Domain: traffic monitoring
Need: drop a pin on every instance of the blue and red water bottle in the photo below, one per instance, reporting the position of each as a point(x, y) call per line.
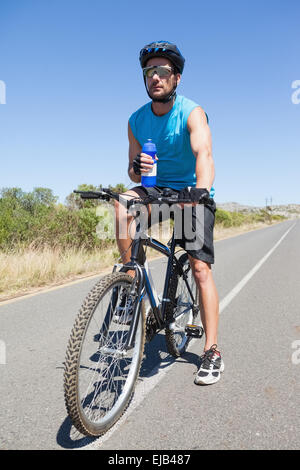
point(149, 178)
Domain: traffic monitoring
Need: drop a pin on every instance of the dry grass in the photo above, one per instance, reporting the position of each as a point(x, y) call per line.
point(220, 232)
point(21, 271)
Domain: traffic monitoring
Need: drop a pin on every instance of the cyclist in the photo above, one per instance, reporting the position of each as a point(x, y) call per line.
point(179, 128)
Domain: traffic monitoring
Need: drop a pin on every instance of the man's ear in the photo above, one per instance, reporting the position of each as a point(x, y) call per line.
point(178, 78)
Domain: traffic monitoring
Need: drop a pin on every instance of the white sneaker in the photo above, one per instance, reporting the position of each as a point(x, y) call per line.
point(211, 366)
point(123, 314)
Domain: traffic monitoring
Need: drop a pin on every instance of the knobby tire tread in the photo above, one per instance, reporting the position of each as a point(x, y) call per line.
point(74, 347)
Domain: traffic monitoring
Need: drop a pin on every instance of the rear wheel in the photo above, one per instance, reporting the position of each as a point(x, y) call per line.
point(182, 309)
point(100, 374)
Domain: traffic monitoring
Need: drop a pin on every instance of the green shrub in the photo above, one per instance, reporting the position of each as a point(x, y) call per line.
point(35, 219)
point(223, 217)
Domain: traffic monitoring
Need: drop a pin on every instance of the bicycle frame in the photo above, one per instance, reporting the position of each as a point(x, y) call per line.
point(145, 283)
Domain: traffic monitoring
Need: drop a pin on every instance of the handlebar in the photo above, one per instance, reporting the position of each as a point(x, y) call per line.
point(165, 198)
point(93, 195)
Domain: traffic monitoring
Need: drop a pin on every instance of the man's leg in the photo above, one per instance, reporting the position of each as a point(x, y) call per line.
point(201, 257)
point(124, 227)
point(209, 300)
point(211, 362)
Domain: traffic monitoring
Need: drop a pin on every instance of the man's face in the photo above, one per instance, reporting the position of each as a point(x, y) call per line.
point(159, 87)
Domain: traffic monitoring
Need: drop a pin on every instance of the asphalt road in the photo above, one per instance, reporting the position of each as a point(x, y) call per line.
point(256, 404)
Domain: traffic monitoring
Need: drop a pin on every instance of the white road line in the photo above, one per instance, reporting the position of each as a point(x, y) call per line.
point(156, 375)
point(234, 292)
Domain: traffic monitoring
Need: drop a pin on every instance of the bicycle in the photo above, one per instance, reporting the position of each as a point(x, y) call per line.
point(104, 355)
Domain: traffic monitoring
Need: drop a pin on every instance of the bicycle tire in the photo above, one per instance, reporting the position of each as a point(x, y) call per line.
point(99, 377)
point(180, 310)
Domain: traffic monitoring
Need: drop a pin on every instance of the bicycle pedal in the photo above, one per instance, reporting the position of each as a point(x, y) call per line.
point(196, 331)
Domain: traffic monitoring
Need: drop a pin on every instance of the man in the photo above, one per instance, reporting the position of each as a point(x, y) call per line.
point(179, 128)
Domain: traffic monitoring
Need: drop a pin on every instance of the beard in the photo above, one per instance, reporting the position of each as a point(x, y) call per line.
point(162, 97)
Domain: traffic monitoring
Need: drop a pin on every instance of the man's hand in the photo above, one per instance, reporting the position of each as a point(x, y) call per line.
point(142, 163)
point(193, 195)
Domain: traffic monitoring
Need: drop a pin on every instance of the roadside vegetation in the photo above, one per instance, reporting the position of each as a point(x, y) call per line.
point(43, 242)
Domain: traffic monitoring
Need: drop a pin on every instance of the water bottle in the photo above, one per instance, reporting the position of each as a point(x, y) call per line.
point(149, 178)
point(212, 192)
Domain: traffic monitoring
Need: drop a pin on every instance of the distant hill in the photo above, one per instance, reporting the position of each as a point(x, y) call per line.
point(291, 211)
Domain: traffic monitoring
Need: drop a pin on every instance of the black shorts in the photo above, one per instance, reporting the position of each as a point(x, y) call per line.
point(193, 226)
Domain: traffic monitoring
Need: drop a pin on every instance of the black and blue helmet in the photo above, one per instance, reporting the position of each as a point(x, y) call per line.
point(162, 49)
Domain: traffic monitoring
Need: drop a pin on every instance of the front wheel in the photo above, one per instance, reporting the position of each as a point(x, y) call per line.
point(182, 308)
point(100, 373)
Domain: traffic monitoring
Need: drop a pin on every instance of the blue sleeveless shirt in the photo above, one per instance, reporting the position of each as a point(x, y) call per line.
point(176, 162)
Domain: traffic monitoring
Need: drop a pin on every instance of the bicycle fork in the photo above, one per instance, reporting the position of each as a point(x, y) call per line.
point(138, 291)
point(142, 286)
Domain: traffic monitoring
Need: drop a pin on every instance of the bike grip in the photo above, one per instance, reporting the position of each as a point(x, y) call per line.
point(92, 195)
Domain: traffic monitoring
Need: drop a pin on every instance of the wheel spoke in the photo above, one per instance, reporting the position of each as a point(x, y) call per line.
point(183, 311)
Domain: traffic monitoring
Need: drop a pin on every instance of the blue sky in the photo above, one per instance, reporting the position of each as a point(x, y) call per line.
point(72, 80)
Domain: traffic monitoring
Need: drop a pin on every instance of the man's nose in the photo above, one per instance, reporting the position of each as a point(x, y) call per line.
point(155, 76)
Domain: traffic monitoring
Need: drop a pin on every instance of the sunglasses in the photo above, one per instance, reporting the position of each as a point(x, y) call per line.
point(161, 70)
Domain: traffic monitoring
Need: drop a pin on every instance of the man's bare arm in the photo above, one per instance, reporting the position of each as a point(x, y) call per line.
point(134, 149)
point(200, 138)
